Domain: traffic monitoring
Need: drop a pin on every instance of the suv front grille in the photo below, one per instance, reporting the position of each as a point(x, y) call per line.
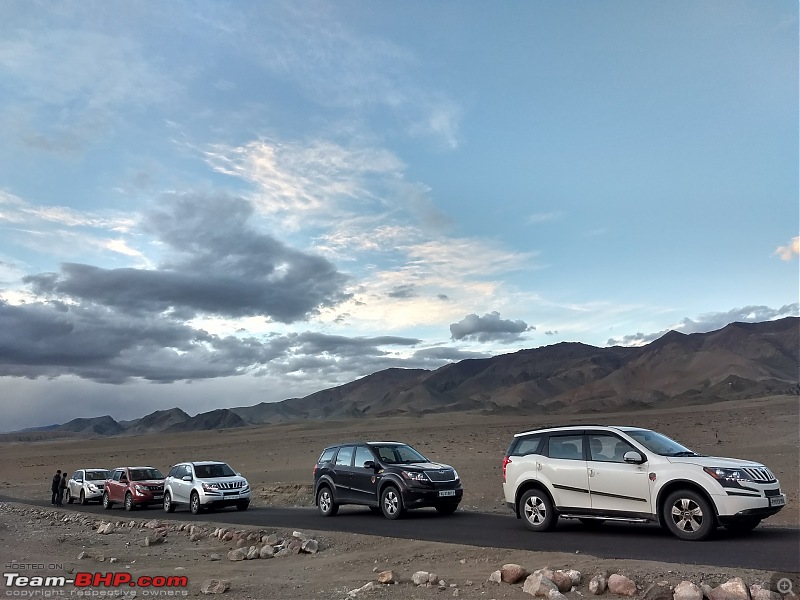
point(155, 488)
point(230, 485)
point(441, 475)
point(759, 474)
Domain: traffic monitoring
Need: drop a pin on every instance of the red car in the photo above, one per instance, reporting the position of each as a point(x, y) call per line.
point(134, 486)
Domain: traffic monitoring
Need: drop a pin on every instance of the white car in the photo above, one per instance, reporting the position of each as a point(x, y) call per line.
point(596, 473)
point(205, 484)
point(87, 484)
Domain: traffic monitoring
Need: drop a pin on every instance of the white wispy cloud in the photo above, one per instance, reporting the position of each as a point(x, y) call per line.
point(790, 250)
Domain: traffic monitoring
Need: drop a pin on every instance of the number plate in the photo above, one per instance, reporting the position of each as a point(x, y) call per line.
point(777, 500)
point(447, 493)
point(158, 497)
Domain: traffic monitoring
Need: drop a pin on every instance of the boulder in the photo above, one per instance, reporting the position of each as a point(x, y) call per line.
point(512, 573)
point(621, 585)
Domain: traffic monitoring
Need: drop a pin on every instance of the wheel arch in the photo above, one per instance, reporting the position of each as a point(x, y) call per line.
point(683, 484)
point(531, 484)
point(324, 481)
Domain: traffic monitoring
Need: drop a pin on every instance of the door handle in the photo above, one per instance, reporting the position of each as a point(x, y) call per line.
point(591, 472)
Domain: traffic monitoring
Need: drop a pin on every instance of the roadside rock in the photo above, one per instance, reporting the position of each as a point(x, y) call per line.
point(621, 585)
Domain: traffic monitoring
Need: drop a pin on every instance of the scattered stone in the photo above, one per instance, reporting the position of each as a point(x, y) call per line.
point(83, 555)
point(686, 590)
point(215, 586)
point(386, 577)
point(310, 546)
point(538, 584)
point(733, 589)
point(300, 536)
point(266, 552)
point(759, 591)
point(420, 578)
point(195, 537)
point(495, 577)
point(364, 588)
point(252, 553)
point(599, 583)
point(152, 540)
point(562, 580)
point(621, 585)
point(659, 591)
point(512, 573)
point(237, 554)
point(214, 557)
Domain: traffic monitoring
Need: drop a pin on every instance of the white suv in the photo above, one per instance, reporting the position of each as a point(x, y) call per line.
point(596, 473)
point(87, 484)
point(207, 483)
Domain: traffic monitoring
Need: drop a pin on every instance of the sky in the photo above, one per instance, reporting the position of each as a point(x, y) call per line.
point(210, 204)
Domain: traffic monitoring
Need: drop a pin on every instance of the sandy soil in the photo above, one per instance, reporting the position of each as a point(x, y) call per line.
point(278, 461)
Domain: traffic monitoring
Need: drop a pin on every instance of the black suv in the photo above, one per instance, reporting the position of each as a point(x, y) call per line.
point(386, 476)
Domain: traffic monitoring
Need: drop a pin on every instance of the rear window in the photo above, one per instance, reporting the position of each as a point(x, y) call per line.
point(327, 455)
point(525, 445)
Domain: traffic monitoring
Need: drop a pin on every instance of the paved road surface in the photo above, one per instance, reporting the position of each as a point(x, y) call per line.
point(766, 548)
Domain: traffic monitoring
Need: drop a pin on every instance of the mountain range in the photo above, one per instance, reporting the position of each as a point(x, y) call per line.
point(741, 360)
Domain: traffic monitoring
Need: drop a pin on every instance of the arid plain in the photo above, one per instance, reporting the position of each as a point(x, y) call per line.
point(278, 461)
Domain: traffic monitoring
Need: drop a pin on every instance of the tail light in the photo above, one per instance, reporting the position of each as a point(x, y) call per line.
point(506, 460)
point(314, 472)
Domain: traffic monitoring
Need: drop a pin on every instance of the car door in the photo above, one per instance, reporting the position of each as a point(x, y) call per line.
point(565, 471)
point(363, 487)
point(343, 473)
point(614, 485)
point(116, 487)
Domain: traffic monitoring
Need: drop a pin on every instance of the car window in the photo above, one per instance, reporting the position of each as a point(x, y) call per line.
point(658, 443)
point(363, 454)
point(526, 445)
point(607, 448)
point(97, 475)
point(565, 446)
point(327, 455)
point(215, 470)
point(345, 456)
point(118, 476)
point(145, 474)
point(399, 454)
point(77, 476)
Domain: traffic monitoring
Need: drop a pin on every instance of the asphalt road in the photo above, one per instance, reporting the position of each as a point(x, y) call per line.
point(766, 548)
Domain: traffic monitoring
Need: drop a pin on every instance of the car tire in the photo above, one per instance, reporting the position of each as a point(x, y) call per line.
point(107, 501)
point(743, 525)
point(70, 499)
point(129, 505)
point(83, 499)
point(688, 515)
point(537, 510)
point(325, 503)
point(242, 505)
point(446, 509)
point(168, 504)
point(194, 503)
point(391, 503)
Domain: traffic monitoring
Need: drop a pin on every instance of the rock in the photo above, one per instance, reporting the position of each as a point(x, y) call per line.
point(658, 591)
point(215, 586)
point(512, 573)
point(300, 536)
point(214, 557)
point(386, 577)
point(686, 590)
point(556, 595)
point(195, 537)
point(241, 543)
point(621, 585)
point(237, 554)
point(310, 546)
point(83, 555)
point(562, 580)
point(252, 553)
point(420, 577)
point(227, 536)
point(733, 589)
point(538, 584)
point(598, 584)
point(271, 539)
point(294, 546)
point(152, 540)
point(575, 576)
point(495, 577)
point(266, 552)
point(760, 591)
point(364, 588)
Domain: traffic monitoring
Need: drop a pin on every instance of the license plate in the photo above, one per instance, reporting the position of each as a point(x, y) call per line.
point(158, 497)
point(447, 493)
point(777, 501)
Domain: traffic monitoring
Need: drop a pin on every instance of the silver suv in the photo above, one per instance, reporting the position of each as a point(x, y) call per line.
point(596, 473)
point(87, 484)
point(205, 484)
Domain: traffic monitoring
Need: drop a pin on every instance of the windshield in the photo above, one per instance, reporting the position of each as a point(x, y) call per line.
point(218, 470)
point(145, 474)
point(98, 475)
point(398, 454)
point(660, 444)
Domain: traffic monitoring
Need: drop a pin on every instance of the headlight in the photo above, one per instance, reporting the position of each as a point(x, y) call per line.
point(210, 487)
point(726, 475)
point(414, 475)
point(455, 474)
point(140, 489)
point(92, 487)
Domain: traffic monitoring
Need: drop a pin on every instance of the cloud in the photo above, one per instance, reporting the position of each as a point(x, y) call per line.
point(216, 264)
point(488, 328)
point(712, 322)
point(790, 250)
point(402, 292)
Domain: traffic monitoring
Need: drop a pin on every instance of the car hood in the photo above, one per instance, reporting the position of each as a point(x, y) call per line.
point(713, 461)
point(426, 466)
point(149, 482)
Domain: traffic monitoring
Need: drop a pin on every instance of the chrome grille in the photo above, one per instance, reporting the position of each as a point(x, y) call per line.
point(155, 488)
point(441, 475)
point(230, 485)
point(759, 474)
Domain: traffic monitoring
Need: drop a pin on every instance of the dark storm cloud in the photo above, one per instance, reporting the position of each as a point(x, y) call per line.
point(712, 322)
point(445, 354)
point(488, 328)
point(311, 343)
point(218, 265)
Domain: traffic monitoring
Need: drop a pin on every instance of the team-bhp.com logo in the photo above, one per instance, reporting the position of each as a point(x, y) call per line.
point(19, 585)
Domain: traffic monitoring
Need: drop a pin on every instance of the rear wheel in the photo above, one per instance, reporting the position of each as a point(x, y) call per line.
point(537, 510)
point(129, 505)
point(70, 499)
point(688, 515)
point(446, 509)
point(84, 501)
point(325, 502)
point(194, 503)
point(391, 503)
point(168, 505)
point(107, 501)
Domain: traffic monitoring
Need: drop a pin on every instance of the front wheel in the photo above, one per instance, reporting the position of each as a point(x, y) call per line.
point(168, 505)
point(537, 510)
point(194, 503)
point(70, 499)
point(688, 515)
point(84, 501)
point(446, 509)
point(107, 501)
point(129, 502)
point(391, 503)
point(325, 502)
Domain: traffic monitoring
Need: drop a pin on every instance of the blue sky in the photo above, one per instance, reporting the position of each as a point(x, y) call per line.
point(210, 204)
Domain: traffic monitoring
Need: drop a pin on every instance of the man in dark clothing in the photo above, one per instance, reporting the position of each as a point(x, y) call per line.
point(54, 487)
point(62, 487)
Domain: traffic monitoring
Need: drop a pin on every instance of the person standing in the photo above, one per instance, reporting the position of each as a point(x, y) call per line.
point(62, 488)
point(55, 485)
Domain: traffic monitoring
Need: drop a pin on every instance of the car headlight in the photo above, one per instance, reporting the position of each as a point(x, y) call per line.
point(210, 487)
point(414, 475)
point(725, 475)
point(140, 489)
point(92, 487)
point(455, 474)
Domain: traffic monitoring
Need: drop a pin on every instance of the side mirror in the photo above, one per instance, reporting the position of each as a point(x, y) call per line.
point(633, 457)
point(186, 478)
point(369, 464)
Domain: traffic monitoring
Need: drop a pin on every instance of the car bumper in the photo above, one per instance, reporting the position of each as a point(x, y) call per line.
point(731, 507)
point(96, 495)
point(224, 498)
point(418, 498)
